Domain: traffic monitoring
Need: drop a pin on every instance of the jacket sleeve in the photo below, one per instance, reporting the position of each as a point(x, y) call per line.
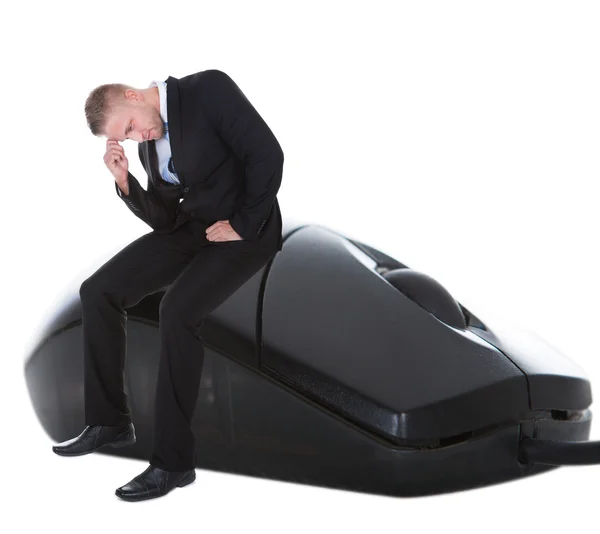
point(240, 126)
point(148, 205)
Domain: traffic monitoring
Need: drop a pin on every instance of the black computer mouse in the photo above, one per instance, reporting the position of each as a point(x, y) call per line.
point(336, 365)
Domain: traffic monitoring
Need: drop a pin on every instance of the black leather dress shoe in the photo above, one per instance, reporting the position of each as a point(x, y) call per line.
point(154, 482)
point(96, 436)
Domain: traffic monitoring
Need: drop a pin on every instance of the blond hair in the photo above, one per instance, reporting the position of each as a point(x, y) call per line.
point(101, 102)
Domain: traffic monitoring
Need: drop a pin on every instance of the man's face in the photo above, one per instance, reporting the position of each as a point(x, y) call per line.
point(134, 119)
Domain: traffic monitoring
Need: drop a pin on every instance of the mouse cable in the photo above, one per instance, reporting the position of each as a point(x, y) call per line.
point(545, 451)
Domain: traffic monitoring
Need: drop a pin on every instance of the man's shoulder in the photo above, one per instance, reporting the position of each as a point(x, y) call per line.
point(203, 78)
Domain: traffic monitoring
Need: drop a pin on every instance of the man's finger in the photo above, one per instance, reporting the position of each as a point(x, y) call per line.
point(213, 228)
point(212, 235)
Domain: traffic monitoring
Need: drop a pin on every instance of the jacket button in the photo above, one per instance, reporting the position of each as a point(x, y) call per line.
point(186, 189)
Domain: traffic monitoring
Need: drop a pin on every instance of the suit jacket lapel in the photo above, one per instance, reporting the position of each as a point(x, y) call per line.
point(151, 155)
point(149, 159)
point(174, 118)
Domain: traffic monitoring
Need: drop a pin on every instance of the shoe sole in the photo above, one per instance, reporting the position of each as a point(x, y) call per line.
point(188, 479)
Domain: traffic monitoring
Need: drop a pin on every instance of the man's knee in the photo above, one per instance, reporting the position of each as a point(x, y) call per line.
point(88, 287)
point(93, 287)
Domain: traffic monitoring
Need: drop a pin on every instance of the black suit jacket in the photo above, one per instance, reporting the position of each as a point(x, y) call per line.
point(227, 159)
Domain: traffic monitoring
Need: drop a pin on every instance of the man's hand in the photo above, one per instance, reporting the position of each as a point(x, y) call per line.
point(222, 231)
point(116, 161)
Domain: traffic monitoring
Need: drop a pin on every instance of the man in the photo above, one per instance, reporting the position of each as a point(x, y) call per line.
point(214, 168)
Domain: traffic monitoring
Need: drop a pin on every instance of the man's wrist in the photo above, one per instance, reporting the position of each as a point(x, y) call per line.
point(124, 186)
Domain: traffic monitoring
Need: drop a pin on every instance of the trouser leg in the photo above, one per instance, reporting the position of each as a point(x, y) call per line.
point(215, 273)
point(143, 267)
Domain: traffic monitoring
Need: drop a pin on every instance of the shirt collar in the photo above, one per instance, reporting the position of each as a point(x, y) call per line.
point(162, 95)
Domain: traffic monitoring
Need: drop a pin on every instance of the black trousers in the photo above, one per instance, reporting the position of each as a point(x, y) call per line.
point(198, 276)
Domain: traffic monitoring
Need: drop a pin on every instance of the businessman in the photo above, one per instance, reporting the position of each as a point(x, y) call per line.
point(214, 168)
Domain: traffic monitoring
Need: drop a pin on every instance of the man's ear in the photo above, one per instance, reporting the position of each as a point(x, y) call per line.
point(132, 94)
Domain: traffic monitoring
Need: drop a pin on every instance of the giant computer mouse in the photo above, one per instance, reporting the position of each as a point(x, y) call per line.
point(338, 366)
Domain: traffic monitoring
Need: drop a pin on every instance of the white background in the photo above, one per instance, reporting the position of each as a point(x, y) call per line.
point(459, 137)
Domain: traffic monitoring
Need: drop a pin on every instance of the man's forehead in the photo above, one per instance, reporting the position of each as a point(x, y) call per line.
point(115, 128)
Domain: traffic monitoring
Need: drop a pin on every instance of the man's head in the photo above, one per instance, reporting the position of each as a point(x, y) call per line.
point(119, 111)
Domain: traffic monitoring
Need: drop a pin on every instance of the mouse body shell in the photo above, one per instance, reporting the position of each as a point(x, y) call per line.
point(321, 369)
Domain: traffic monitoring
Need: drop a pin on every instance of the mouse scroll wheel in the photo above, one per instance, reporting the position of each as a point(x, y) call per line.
point(429, 294)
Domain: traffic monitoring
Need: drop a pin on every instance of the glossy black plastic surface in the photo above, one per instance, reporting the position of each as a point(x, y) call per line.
point(319, 370)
